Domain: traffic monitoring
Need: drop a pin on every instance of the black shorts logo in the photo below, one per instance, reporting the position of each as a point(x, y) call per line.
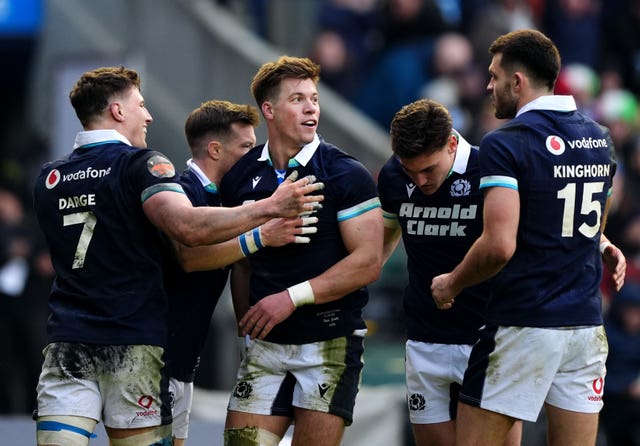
point(416, 402)
point(242, 390)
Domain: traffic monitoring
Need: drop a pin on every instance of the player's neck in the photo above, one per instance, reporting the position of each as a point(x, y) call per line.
point(210, 169)
point(280, 153)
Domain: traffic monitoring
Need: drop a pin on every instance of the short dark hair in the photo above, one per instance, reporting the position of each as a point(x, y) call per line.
point(91, 94)
point(532, 50)
point(421, 127)
point(214, 118)
point(266, 82)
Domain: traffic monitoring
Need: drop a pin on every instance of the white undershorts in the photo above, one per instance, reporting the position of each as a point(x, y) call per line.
point(181, 395)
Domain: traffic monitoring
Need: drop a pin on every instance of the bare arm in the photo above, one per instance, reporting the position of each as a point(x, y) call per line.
point(614, 260)
point(173, 213)
point(275, 232)
point(490, 252)
point(240, 275)
point(392, 237)
point(363, 237)
point(612, 256)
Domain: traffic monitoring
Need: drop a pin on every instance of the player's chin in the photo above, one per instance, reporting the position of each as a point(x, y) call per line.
point(142, 142)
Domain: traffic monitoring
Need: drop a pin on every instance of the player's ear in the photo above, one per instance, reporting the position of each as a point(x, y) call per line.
point(517, 80)
point(214, 149)
point(267, 110)
point(453, 143)
point(115, 108)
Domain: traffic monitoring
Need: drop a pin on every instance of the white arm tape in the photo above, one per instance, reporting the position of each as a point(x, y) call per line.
point(301, 294)
point(603, 246)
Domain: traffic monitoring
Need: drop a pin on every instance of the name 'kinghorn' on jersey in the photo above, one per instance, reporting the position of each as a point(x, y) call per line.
point(582, 171)
point(421, 227)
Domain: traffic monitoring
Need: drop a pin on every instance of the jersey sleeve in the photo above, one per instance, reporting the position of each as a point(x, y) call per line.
point(389, 206)
point(498, 165)
point(612, 155)
point(357, 192)
point(150, 172)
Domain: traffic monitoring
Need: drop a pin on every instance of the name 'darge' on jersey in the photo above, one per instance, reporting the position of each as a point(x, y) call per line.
point(418, 219)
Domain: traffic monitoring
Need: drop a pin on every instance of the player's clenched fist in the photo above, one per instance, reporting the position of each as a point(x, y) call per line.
point(442, 292)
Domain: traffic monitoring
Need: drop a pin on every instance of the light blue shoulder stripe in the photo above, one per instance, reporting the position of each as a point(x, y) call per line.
point(110, 141)
point(358, 209)
point(498, 181)
point(160, 187)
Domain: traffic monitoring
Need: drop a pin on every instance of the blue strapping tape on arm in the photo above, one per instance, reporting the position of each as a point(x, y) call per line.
point(57, 426)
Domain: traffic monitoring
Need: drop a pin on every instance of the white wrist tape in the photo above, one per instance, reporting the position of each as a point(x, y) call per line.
point(603, 246)
point(301, 294)
point(250, 241)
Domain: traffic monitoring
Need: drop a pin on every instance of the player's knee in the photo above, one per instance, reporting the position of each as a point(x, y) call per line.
point(159, 436)
point(250, 436)
point(64, 430)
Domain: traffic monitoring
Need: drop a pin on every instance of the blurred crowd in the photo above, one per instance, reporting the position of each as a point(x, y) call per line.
point(25, 268)
point(380, 55)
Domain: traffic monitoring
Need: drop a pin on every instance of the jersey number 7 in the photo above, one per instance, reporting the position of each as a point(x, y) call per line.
point(88, 219)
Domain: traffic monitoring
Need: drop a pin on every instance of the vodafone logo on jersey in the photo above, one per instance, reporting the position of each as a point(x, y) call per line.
point(52, 179)
point(555, 145)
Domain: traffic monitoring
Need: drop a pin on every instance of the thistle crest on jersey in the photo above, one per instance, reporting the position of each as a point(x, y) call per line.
point(460, 188)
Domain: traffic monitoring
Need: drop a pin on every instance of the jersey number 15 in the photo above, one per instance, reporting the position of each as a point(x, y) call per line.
point(587, 206)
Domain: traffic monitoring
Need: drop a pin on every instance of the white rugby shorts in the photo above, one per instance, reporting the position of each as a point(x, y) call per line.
point(434, 374)
point(118, 384)
point(322, 376)
point(515, 370)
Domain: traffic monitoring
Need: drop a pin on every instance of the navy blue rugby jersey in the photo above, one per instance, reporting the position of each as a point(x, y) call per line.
point(349, 192)
point(561, 163)
point(192, 296)
point(437, 231)
point(108, 287)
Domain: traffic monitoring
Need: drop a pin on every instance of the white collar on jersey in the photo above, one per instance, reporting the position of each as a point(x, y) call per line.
point(96, 136)
point(302, 157)
point(204, 180)
point(462, 155)
point(562, 103)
